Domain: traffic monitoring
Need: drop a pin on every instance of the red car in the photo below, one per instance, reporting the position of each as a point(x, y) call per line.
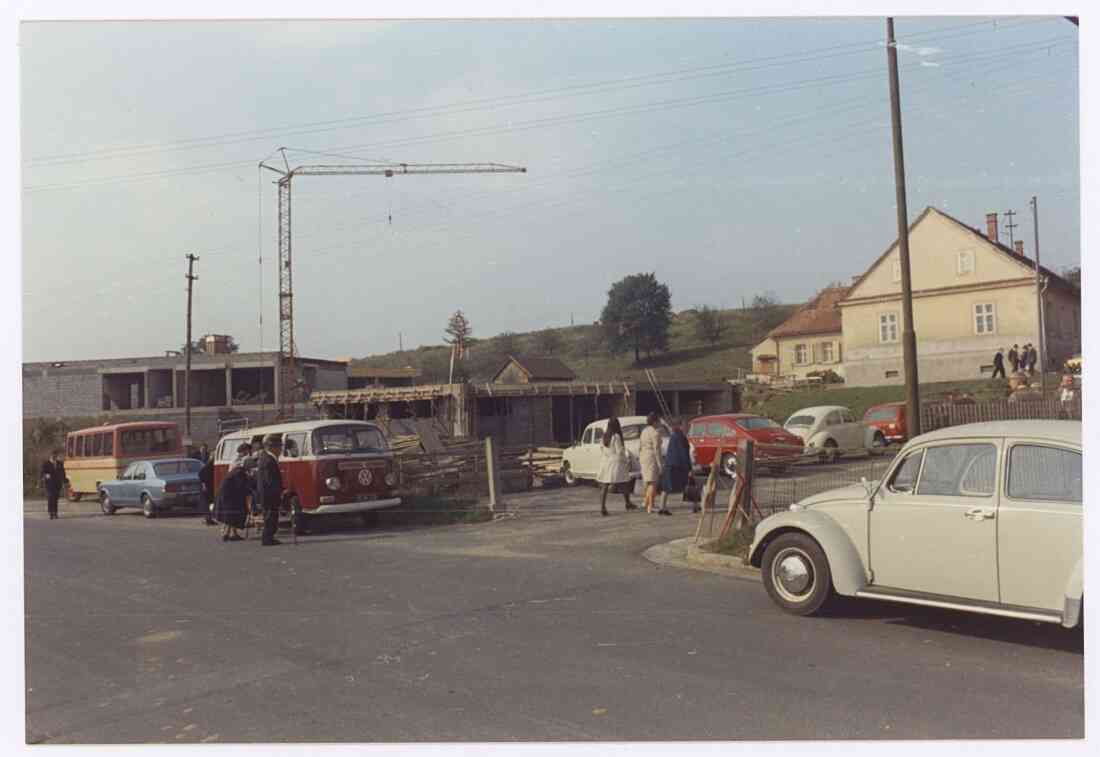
point(773, 443)
point(889, 418)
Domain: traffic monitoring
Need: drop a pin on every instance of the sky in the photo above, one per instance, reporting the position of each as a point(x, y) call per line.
point(731, 157)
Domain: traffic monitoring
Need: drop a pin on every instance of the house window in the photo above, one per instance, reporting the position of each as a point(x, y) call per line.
point(984, 320)
point(801, 354)
point(897, 271)
point(966, 262)
point(826, 352)
point(888, 327)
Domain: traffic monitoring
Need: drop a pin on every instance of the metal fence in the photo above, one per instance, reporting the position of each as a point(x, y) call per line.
point(941, 415)
point(773, 493)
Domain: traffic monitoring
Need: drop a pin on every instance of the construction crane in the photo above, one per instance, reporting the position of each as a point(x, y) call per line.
point(288, 382)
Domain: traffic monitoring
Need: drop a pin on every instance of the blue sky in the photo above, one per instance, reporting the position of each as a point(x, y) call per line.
point(730, 156)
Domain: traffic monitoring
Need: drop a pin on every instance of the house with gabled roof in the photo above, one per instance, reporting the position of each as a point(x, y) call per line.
point(972, 295)
point(809, 341)
point(532, 370)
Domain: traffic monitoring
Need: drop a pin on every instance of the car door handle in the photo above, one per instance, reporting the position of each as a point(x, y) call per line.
point(979, 514)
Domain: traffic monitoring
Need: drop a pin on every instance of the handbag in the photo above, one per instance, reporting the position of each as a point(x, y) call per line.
point(691, 490)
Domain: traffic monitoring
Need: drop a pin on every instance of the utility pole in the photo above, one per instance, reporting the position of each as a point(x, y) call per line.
point(908, 335)
point(1010, 226)
point(400, 343)
point(1039, 301)
point(187, 370)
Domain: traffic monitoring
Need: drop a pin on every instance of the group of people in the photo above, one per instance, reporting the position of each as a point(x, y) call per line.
point(665, 461)
point(256, 476)
point(1022, 360)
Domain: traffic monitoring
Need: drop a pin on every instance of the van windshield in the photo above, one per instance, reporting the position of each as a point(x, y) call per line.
point(337, 440)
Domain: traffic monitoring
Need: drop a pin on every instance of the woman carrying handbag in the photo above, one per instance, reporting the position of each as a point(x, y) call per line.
point(615, 469)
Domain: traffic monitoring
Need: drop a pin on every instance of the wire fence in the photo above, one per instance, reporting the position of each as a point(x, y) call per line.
point(773, 493)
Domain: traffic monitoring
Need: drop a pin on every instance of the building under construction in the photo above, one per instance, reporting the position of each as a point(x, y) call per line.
point(527, 401)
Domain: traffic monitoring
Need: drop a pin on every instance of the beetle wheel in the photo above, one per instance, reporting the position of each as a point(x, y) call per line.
point(796, 574)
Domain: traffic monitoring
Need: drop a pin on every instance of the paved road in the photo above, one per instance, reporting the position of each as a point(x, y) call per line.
point(548, 625)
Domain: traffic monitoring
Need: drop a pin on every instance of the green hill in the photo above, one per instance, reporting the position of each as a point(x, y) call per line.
point(688, 358)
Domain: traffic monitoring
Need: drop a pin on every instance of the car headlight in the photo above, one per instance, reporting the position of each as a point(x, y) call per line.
point(796, 507)
point(391, 479)
point(333, 483)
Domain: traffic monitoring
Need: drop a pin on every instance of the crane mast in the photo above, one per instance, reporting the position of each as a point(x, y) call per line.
point(287, 383)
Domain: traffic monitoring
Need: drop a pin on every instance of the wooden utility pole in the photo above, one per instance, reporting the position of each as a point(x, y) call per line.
point(1042, 348)
point(1011, 228)
point(187, 369)
point(908, 335)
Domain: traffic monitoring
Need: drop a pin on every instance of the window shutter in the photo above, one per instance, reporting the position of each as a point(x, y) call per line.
point(813, 353)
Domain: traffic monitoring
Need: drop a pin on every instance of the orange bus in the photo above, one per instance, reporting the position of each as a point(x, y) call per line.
point(101, 453)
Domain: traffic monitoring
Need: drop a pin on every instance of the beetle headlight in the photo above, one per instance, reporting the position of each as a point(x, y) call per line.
point(391, 479)
point(333, 483)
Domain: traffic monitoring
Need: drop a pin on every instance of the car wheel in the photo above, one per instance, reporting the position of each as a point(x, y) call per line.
point(72, 496)
point(729, 465)
point(105, 504)
point(298, 519)
point(567, 475)
point(796, 574)
point(878, 442)
point(147, 507)
point(831, 453)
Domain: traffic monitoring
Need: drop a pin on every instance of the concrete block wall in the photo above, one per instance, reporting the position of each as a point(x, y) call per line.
point(62, 392)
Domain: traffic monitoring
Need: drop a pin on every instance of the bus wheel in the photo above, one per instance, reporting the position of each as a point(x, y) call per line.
point(147, 506)
point(105, 504)
point(72, 496)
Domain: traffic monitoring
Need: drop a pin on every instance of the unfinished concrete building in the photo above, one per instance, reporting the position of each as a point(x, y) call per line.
point(527, 401)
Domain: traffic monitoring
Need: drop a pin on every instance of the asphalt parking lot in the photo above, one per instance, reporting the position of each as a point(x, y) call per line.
point(545, 624)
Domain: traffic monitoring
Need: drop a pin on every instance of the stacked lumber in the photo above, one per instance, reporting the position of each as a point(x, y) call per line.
point(542, 462)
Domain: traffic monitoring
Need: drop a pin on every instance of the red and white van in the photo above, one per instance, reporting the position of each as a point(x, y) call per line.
point(328, 467)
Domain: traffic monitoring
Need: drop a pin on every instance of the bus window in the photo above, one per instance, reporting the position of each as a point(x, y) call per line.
point(80, 446)
point(96, 441)
point(108, 444)
point(68, 446)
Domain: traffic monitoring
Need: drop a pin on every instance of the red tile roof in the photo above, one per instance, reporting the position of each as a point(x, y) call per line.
point(818, 316)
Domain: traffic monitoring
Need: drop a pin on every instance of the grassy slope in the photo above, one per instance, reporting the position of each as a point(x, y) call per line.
point(688, 358)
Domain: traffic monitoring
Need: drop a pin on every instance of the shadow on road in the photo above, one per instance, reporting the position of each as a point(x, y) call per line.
point(1009, 630)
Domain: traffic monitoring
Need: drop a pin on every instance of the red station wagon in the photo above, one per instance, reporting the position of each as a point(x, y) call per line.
point(889, 418)
point(328, 467)
point(772, 441)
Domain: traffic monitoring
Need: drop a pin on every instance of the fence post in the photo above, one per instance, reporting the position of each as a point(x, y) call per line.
point(492, 469)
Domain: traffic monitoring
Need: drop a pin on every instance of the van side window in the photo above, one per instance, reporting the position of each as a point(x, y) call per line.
point(597, 436)
point(587, 438)
point(905, 477)
point(293, 445)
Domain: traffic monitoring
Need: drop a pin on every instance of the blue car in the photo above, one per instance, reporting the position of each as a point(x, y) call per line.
point(156, 486)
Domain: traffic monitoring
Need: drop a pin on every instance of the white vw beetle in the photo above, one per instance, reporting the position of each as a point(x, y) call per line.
point(984, 517)
point(832, 430)
point(583, 459)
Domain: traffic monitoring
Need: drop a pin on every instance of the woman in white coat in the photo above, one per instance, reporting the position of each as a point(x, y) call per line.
point(615, 468)
point(649, 453)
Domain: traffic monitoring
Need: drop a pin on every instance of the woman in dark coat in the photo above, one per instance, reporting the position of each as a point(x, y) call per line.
point(677, 465)
point(230, 508)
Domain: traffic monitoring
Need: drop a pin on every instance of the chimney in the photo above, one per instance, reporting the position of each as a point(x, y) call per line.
point(1019, 247)
point(991, 227)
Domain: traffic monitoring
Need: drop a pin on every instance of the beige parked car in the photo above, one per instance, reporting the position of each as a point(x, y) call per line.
point(984, 517)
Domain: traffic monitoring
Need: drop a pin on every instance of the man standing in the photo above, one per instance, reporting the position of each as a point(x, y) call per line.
point(269, 488)
point(53, 479)
point(1032, 360)
point(1014, 357)
point(999, 364)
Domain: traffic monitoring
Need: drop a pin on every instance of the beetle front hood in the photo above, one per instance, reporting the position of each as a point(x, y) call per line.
point(845, 493)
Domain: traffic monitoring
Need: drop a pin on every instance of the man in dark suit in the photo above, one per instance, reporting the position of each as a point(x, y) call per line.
point(53, 479)
point(269, 487)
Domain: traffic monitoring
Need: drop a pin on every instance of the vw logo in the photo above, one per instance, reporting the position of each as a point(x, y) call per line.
point(365, 477)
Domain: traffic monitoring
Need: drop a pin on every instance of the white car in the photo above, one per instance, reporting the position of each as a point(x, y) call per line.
point(582, 460)
point(832, 430)
point(984, 517)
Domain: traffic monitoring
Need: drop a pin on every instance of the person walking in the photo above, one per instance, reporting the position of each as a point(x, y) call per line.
point(614, 474)
point(53, 480)
point(649, 455)
point(269, 488)
point(1032, 360)
point(1014, 357)
point(999, 364)
point(231, 505)
point(677, 465)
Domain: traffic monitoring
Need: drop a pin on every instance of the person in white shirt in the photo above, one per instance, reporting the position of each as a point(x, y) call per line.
point(649, 455)
point(615, 469)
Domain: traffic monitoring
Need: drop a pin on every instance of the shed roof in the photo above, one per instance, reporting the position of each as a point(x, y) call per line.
point(539, 368)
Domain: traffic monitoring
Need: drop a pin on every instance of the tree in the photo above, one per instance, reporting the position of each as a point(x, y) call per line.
point(709, 324)
point(458, 331)
point(637, 315)
point(548, 341)
point(765, 312)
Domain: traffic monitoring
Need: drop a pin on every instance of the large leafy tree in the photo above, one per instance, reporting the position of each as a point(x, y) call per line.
point(637, 315)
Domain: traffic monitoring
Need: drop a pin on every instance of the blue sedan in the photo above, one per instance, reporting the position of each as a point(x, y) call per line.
point(155, 486)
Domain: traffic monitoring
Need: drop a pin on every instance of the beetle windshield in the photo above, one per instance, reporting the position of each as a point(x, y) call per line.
point(336, 440)
point(798, 421)
point(176, 467)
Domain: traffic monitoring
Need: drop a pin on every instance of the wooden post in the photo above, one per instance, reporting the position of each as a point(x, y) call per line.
point(492, 469)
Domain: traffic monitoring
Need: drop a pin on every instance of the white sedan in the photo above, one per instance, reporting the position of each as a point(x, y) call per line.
point(832, 430)
point(984, 517)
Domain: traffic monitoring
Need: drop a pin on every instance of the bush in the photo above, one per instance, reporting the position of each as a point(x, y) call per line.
point(827, 376)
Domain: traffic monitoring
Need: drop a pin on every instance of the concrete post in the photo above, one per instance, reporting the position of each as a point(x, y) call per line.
point(175, 387)
point(147, 402)
point(492, 469)
point(228, 386)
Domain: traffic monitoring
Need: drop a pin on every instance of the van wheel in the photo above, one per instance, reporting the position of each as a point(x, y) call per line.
point(147, 506)
point(298, 519)
point(105, 504)
point(796, 574)
point(567, 475)
point(72, 496)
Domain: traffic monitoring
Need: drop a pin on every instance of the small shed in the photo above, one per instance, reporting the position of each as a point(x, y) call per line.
point(531, 370)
